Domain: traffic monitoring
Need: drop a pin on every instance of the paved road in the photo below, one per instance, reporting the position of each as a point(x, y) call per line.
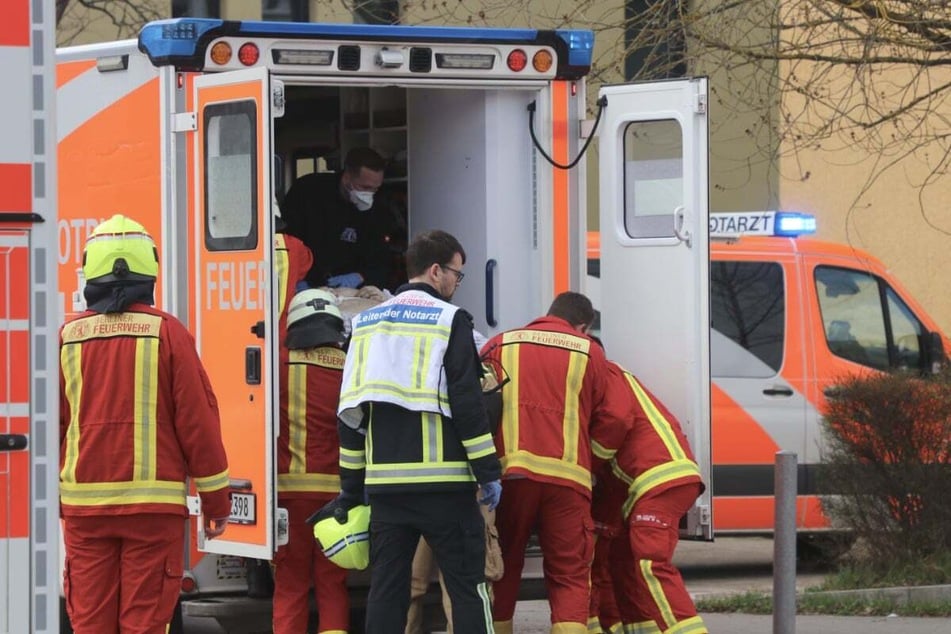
point(727, 566)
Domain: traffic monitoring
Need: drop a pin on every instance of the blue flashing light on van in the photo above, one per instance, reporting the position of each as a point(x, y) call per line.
point(783, 224)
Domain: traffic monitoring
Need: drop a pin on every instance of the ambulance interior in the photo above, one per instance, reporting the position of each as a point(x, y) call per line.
point(458, 159)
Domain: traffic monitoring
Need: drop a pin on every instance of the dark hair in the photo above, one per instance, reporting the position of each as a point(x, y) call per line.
point(363, 157)
point(432, 247)
point(574, 308)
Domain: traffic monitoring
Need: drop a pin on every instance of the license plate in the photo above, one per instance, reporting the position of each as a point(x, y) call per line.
point(243, 508)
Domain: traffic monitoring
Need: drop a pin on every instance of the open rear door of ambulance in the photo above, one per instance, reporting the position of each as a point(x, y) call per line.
point(655, 253)
point(232, 293)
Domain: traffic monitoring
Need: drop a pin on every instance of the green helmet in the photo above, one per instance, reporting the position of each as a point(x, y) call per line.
point(120, 249)
point(345, 537)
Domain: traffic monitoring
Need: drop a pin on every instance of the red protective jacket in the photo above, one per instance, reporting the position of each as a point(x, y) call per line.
point(656, 455)
point(292, 259)
point(137, 415)
point(308, 448)
point(556, 410)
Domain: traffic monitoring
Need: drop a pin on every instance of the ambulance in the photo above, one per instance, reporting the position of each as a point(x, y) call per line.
point(29, 323)
point(198, 126)
point(790, 316)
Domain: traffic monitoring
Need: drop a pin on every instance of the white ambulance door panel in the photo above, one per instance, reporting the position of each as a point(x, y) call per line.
point(655, 253)
point(232, 293)
point(472, 166)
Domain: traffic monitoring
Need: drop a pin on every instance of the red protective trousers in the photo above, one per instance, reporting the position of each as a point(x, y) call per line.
point(604, 615)
point(650, 592)
point(123, 572)
point(562, 517)
point(299, 565)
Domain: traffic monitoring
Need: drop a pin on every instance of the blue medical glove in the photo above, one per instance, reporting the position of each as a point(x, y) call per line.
point(301, 286)
point(345, 280)
point(491, 494)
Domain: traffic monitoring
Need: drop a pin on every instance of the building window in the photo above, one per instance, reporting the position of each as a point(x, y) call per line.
point(285, 10)
point(654, 40)
point(196, 8)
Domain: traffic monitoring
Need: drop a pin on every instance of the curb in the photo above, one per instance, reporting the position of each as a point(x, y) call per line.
point(900, 594)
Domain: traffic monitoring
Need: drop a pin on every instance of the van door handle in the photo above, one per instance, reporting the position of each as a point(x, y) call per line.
point(252, 365)
point(778, 390)
point(490, 293)
point(12, 442)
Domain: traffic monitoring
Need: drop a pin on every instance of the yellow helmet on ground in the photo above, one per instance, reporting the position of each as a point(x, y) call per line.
point(345, 537)
point(119, 249)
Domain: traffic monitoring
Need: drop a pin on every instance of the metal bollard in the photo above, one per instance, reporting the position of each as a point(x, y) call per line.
point(784, 544)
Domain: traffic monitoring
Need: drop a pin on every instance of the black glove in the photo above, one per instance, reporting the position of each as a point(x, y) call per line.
point(338, 508)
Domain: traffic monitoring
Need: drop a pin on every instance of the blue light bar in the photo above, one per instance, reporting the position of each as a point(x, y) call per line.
point(787, 224)
point(181, 41)
point(791, 224)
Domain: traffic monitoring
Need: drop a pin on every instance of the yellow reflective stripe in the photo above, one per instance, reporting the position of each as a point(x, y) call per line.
point(395, 389)
point(324, 357)
point(420, 350)
point(658, 421)
point(304, 482)
point(620, 474)
point(479, 446)
point(282, 262)
point(406, 473)
point(644, 627)
point(145, 409)
point(543, 465)
point(105, 326)
point(510, 399)
point(574, 343)
point(434, 331)
point(122, 493)
point(483, 592)
point(594, 625)
point(693, 625)
point(577, 365)
point(212, 482)
point(617, 628)
point(657, 592)
point(359, 346)
point(352, 459)
point(71, 361)
point(428, 422)
point(601, 451)
point(657, 476)
point(297, 417)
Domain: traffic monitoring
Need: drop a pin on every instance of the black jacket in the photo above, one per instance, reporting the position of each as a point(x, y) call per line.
point(396, 433)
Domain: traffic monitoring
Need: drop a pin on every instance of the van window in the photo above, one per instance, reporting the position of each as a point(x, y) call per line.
point(747, 308)
point(865, 320)
point(653, 177)
point(231, 189)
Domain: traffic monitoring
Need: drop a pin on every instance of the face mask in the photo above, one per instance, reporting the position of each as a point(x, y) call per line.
point(361, 200)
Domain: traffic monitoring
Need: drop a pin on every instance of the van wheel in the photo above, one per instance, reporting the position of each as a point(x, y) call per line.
point(821, 550)
point(177, 625)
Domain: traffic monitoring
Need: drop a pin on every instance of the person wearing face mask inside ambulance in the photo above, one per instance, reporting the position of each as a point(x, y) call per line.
point(354, 236)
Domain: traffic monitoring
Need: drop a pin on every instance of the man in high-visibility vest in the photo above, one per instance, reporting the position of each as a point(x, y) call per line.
point(308, 464)
point(658, 479)
point(556, 414)
point(137, 417)
point(415, 436)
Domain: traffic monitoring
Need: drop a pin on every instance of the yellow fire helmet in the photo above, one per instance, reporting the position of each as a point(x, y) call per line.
point(312, 301)
point(346, 540)
point(120, 249)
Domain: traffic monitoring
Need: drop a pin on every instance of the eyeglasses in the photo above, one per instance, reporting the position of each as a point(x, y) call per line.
point(459, 274)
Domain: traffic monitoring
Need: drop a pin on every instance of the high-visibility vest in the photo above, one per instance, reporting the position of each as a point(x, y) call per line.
point(396, 356)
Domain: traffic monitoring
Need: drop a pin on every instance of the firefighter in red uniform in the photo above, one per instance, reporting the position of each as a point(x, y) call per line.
point(137, 417)
point(658, 479)
point(308, 472)
point(556, 412)
point(292, 259)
